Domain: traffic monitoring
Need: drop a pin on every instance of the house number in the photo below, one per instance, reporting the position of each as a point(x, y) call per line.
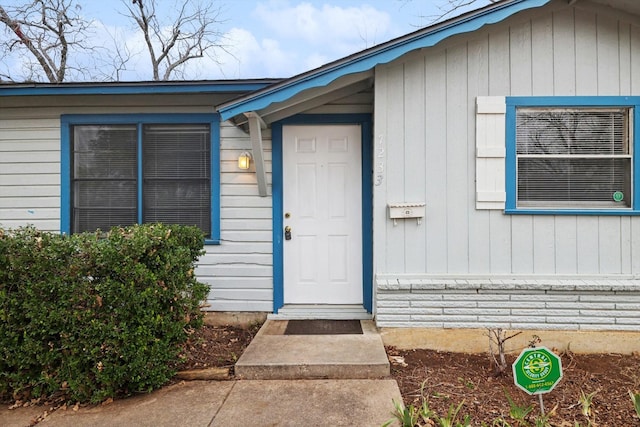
point(379, 161)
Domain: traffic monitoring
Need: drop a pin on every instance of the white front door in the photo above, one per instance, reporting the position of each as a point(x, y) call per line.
point(322, 192)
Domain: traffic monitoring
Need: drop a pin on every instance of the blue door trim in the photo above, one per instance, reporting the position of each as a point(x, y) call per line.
point(365, 122)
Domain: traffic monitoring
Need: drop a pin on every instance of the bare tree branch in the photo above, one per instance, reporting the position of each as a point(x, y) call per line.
point(448, 8)
point(113, 65)
point(192, 34)
point(46, 30)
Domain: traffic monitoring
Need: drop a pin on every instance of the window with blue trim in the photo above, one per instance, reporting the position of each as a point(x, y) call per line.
point(571, 155)
point(125, 170)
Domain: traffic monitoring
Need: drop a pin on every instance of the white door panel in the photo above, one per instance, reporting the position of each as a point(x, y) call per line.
point(323, 206)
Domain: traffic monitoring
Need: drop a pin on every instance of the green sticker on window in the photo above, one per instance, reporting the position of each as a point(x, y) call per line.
point(618, 196)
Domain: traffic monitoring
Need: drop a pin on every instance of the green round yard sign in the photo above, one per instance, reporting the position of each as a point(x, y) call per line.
point(537, 370)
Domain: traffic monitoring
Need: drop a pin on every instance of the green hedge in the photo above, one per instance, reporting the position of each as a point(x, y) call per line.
point(91, 316)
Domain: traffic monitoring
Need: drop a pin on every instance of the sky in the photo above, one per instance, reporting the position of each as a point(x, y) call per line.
point(272, 38)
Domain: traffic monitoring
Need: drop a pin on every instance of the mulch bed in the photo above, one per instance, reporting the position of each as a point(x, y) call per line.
point(446, 379)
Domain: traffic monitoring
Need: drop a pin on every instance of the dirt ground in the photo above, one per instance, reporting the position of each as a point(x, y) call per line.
point(446, 379)
point(450, 378)
point(216, 346)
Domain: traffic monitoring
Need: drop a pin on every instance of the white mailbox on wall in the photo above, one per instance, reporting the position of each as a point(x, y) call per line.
point(406, 210)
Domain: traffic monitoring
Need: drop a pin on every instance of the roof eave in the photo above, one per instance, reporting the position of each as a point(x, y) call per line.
point(135, 88)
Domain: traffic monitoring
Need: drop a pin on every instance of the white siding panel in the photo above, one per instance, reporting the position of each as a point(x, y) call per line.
point(499, 85)
point(625, 59)
point(586, 52)
point(41, 224)
point(477, 85)
point(30, 145)
point(457, 164)
point(35, 133)
point(635, 59)
point(566, 245)
point(229, 199)
point(244, 224)
point(247, 283)
point(239, 305)
point(246, 213)
point(33, 179)
point(414, 154)
point(29, 202)
point(221, 294)
point(522, 245)
point(610, 244)
point(544, 259)
point(29, 168)
point(238, 270)
point(26, 191)
point(608, 55)
point(435, 167)
point(395, 174)
point(587, 240)
point(521, 81)
point(30, 215)
point(380, 134)
point(542, 55)
point(564, 52)
point(625, 246)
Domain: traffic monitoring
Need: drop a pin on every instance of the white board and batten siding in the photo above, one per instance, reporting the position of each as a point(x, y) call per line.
point(239, 270)
point(468, 264)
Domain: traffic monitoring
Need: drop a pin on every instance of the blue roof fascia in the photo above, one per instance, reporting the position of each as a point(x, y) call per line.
point(130, 89)
point(381, 55)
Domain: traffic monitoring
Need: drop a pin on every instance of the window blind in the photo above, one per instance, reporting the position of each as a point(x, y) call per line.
point(573, 158)
point(176, 173)
point(104, 177)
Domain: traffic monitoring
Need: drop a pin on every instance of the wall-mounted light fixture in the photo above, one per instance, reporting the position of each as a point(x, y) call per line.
point(244, 160)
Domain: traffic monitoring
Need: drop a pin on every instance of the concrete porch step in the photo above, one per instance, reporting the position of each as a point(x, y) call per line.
point(321, 311)
point(273, 355)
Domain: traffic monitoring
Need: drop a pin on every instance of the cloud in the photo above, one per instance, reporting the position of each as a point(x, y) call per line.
point(300, 37)
point(248, 57)
point(326, 25)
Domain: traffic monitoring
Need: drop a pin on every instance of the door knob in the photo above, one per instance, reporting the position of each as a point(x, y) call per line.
point(287, 233)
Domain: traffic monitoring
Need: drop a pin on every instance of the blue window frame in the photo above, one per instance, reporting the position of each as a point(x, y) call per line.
point(572, 155)
point(120, 169)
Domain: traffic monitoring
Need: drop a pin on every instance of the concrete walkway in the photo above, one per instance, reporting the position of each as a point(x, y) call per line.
point(233, 403)
point(345, 382)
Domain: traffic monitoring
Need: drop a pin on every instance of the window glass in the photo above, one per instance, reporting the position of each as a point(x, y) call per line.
point(175, 164)
point(177, 181)
point(104, 177)
point(573, 158)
